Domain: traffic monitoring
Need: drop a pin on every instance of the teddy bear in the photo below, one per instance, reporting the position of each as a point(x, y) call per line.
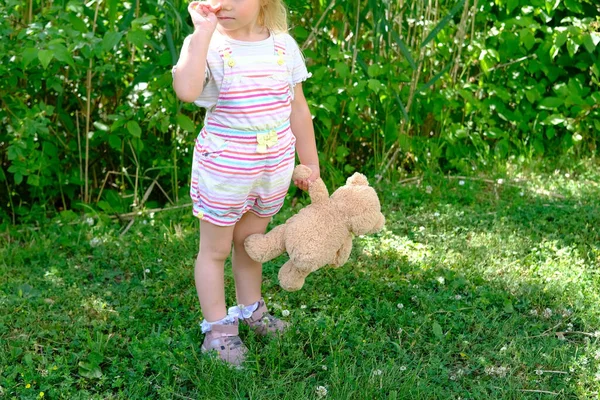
point(321, 233)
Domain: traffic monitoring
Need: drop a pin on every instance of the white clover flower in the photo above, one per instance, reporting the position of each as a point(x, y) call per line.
point(441, 280)
point(577, 137)
point(151, 215)
point(89, 221)
point(461, 183)
point(503, 348)
point(436, 214)
point(421, 228)
point(377, 372)
point(428, 189)
point(403, 368)
point(147, 270)
point(321, 391)
point(521, 194)
point(285, 313)
point(500, 181)
point(324, 367)
point(567, 175)
point(400, 306)
point(159, 260)
point(539, 372)
point(303, 306)
point(458, 297)
point(596, 333)
point(95, 242)
point(533, 312)
point(547, 313)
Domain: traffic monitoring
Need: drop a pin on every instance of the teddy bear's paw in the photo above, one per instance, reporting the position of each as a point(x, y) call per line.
point(291, 286)
point(256, 247)
point(290, 278)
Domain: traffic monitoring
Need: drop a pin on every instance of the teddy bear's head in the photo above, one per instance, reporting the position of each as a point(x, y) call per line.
point(360, 204)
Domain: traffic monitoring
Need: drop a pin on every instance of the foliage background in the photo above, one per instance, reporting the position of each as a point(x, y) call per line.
point(89, 117)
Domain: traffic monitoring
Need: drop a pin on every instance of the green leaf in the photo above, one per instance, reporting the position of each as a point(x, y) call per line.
point(50, 149)
point(29, 54)
point(508, 307)
point(404, 49)
point(375, 85)
point(561, 38)
point(437, 330)
point(89, 370)
point(77, 23)
point(134, 129)
point(511, 5)
point(33, 180)
point(61, 53)
point(45, 56)
point(443, 23)
point(374, 70)
point(574, 6)
point(433, 80)
point(18, 178)
point(342, 69)
point(401, 106)
point(527, 38)
point(112, 12)
point(551, 102)
point(589, 44)
point(2, 176)
point(111, 39)
point(114, 141)
point(185, 123)
point(137, 37)
point(572, 47)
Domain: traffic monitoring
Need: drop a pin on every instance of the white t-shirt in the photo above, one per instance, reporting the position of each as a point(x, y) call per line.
point(214, 76)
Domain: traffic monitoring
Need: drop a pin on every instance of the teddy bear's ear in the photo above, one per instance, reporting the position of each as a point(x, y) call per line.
point(357, 179)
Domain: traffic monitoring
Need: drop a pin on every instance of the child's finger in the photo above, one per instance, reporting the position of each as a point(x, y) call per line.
point(215, 8)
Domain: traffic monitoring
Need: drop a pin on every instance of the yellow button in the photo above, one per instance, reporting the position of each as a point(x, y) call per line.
point(231, 63)
point(280, 52)
point(281, 61)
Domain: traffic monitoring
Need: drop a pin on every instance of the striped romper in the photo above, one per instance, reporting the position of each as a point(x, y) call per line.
point(244, 155)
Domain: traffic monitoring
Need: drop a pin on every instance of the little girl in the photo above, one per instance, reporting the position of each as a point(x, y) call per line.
point(243, 67)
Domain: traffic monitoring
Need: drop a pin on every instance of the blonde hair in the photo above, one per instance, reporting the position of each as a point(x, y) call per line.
point(273, 15)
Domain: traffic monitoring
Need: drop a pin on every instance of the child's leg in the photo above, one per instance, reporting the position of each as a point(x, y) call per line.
point(247, 272)
point(215, 246)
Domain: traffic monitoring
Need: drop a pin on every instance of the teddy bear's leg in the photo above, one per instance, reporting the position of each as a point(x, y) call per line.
point(343, 254)
point(291, 278)
point(262, 248)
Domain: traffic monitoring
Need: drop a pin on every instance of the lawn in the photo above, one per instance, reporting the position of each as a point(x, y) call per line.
point(477, 288)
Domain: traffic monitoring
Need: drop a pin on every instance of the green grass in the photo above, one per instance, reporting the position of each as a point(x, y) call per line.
point(473, 291)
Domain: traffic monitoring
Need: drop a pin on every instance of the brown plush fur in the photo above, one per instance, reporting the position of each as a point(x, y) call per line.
point(321, 233)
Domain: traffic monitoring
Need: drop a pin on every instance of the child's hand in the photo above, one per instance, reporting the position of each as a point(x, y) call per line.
point(204, 15)
point(303, 184)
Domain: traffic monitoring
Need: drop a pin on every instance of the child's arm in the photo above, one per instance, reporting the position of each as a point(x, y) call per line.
point(302, 128)
point(188, 78)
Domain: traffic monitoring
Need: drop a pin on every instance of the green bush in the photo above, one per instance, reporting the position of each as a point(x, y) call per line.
point(90, 116)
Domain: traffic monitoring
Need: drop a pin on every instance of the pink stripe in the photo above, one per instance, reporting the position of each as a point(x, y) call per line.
point(286, 101)
point(284, 91)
